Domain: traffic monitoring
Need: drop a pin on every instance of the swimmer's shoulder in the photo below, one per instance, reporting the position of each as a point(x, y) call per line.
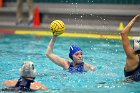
point(38, 86)
point(10, 83)
point(66, 65)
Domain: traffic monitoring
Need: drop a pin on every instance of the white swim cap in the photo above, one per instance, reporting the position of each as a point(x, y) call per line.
point(136, 44)
point(28, 70)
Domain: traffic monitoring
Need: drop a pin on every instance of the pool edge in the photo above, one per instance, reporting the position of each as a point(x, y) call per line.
point(66, 34)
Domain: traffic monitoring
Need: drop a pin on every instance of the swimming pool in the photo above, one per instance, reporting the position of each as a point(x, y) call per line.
point(106, 54)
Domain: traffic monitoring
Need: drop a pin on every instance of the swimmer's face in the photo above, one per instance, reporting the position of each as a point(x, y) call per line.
point(78, 57)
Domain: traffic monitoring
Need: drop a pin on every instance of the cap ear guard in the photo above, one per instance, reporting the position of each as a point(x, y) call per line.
point(27, 70)
point(136, 43)
point(70, 56)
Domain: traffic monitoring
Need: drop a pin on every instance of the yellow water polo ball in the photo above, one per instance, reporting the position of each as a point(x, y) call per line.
point(57, 27)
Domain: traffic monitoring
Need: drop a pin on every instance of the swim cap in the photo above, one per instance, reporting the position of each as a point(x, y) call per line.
point(73, 50)
point(136, 44)
point(27, 70)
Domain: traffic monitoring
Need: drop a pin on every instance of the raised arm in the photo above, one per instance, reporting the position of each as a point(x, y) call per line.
point(125, 40)
point(55, 58)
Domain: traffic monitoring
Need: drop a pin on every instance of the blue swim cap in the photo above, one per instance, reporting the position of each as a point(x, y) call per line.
point(73, 50)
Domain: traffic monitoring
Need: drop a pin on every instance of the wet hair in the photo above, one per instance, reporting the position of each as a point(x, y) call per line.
point(137, 52)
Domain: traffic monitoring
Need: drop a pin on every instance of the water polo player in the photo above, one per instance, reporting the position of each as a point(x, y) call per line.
point(76, 54)
point(132, 66)
point(26, 82)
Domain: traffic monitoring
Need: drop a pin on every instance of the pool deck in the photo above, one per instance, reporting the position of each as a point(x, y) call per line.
point(82, 20)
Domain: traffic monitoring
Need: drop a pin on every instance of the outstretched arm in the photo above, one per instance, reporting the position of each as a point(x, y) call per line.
point(89, 67)
point(55, 58)
point(125, 40)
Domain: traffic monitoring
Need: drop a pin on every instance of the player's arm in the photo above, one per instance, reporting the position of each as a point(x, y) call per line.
point(55, 58)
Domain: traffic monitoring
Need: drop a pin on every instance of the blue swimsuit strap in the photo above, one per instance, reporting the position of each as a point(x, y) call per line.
point(71, 64)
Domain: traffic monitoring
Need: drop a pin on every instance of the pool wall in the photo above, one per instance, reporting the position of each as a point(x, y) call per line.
point(66, 34)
